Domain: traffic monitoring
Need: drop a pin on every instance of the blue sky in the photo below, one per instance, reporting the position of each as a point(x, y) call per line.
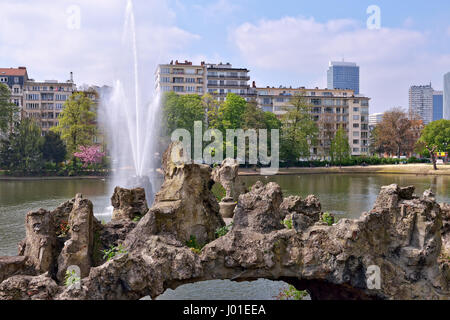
point(282, 43)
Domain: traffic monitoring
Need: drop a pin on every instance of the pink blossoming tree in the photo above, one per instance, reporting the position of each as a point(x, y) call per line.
point(90, 155)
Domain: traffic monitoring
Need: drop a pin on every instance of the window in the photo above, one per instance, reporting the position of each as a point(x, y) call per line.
point(60, 97)
point(355, 141)
point(16, 79)
point(165, 88)
point(190, 71)
point(356, 125)
point(165, 79)
point(267, 101)
point(190, 89)
point(356, 101)
point(32, 96)
point(178, 88)
point(355, 117)
point(178, 80)
point(3, 79)
point(355, 150)
point(58, 106)
point(355, 109)
point(16, 90)
point(190, 80)
point(165, 70)
point(316, 102)
point(356, 133)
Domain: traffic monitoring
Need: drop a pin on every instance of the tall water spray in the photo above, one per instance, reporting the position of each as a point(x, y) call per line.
point(130, 118)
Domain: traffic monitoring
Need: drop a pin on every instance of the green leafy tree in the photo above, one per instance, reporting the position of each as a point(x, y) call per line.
point(53, 148)
point(181, 111)
point(299, 131)
point(340, 148)
point(21, 152)
point(211, 107)
point(77, 122)
point(231, 112)
point(435, 137)
point(7, 109)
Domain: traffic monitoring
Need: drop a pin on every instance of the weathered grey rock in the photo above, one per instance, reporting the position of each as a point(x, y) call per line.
point(304, 213)
point(23, 287)
point(111, 234)
point(401, 236)
point(10, 266)
point(185, 205)
point(40, 243)
point(227, 175)
point(128, 203)
point(259, 209)
point(78, 249)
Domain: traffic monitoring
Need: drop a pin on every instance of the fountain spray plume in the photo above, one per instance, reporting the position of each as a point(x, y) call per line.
point(130, 123)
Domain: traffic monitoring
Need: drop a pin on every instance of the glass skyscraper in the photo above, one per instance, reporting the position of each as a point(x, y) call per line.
point(343, 75)
point(446, 106)
point(437, 105)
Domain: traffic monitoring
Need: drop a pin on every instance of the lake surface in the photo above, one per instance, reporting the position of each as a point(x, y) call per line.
point(346, 195)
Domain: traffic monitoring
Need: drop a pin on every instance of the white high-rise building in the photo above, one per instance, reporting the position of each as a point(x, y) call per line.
point(421, 102)
point(446, 105)
point(375, 118)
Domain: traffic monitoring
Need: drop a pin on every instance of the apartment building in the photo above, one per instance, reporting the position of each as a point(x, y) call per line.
point(15, 79)
point(215, 79)
point(43, 101)
point(223, 79)
point(375, 118)
point(331, 109)
point(181, 77)
point(421, 102)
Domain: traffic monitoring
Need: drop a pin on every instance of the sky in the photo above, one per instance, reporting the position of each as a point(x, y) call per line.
point(284, 42)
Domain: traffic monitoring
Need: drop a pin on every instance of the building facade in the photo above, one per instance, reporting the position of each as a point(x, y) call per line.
point(421, 102)
point(343, 75)
point(43, 101)
point(215, 79)
point(15, 79)
point(375, 118)
point(438, 99)
point(331, 109)
point(446, 99)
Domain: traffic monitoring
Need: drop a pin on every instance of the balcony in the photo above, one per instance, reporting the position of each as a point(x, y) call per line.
point(215, 77)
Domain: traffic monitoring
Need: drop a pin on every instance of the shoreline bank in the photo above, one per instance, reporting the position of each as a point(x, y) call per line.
point(414, 169)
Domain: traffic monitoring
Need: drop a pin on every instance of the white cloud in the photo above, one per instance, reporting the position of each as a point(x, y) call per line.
point(35, 34)
point(390, 59)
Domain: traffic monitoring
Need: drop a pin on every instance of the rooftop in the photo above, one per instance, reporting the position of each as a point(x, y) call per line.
point(20, 71)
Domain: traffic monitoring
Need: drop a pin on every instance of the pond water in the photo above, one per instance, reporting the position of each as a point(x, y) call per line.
point(346, 195)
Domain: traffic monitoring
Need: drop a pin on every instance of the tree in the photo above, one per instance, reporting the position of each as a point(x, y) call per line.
point(90, 155)
point(181, 111)
point(435, 137)
point(340, 148)
point(77, 122)
point(395, 133)
point(54, 148)
point(231, 112)
point(21, 152)
point(7, 109)
point(299, 131)
point(211, 107)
